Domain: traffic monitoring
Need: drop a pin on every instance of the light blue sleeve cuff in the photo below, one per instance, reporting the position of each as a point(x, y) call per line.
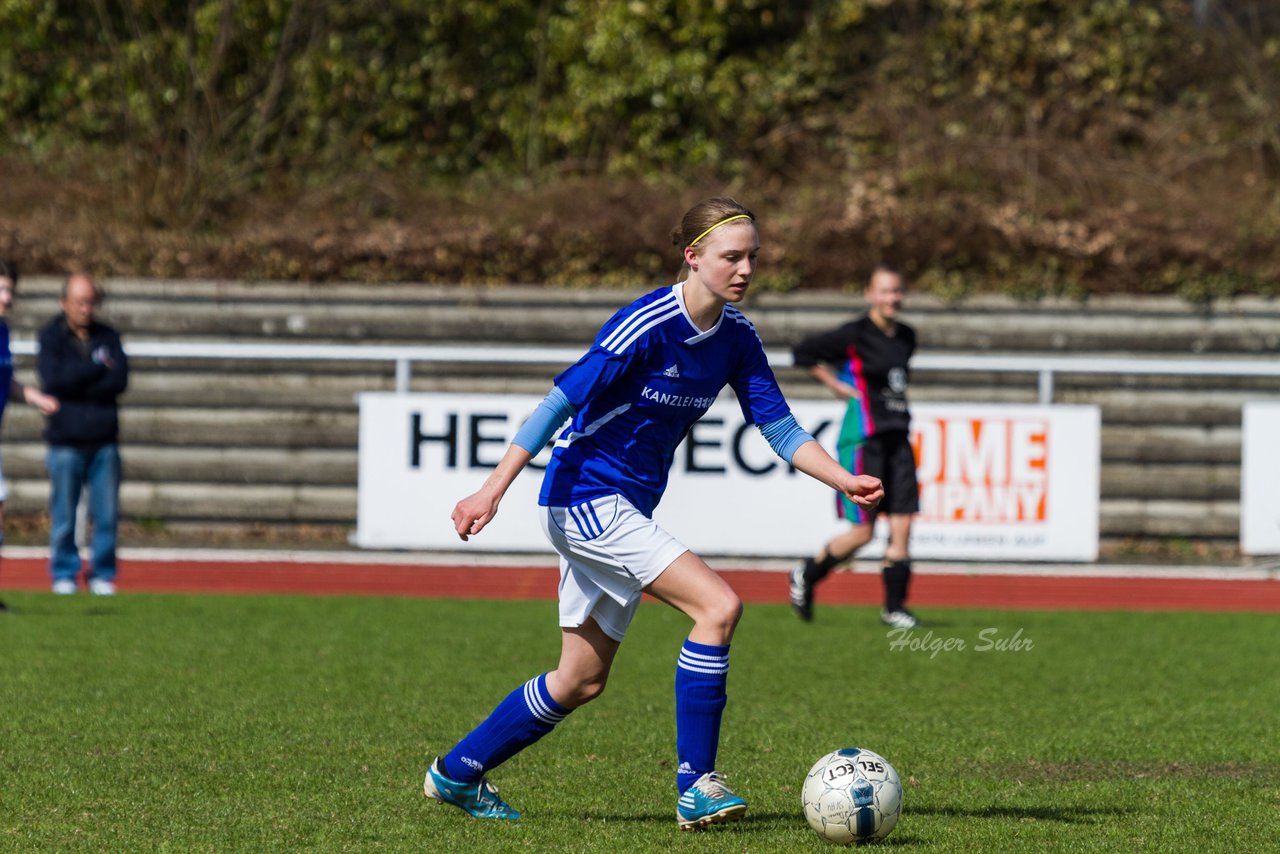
point(785, 436)
point(554, 410)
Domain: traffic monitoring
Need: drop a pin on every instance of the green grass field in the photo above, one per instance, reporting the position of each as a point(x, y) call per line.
point(218, 723)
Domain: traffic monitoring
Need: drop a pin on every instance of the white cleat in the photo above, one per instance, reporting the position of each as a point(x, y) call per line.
point(902, 619)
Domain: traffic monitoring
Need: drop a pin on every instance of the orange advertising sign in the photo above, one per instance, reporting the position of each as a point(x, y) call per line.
point(982, 469)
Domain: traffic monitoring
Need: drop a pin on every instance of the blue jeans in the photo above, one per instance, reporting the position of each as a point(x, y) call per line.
point(71, 469)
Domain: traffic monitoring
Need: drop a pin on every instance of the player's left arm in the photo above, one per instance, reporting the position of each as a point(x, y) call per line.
point(795, 445)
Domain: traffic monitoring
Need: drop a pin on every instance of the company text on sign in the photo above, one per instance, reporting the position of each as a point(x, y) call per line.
point(982, 469)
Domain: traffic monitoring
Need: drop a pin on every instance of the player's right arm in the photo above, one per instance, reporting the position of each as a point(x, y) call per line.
point(573, 388)
point(816, 352)
point(472, 513)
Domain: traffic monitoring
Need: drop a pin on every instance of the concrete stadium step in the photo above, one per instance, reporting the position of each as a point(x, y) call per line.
point(242, 504)
point(1163, 444)
point(207, 464)
point(324, 391)
point(1167, 518)
point(296, 389)
point(169, 310)
point(1189, 482)
point(254, 427)
point(296, 429)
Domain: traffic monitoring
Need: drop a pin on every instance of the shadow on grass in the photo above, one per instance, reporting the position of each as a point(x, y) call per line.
point(771, 819)
point(754, 823)
point(53, 608)
point(1066, 815)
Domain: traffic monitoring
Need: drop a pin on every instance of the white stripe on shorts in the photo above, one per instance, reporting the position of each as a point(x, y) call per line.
point(602, 577)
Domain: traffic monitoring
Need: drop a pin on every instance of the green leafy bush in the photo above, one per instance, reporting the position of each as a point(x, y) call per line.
point(1098, 144)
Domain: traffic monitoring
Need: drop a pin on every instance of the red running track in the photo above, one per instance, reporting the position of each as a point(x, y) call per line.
point(292, 576)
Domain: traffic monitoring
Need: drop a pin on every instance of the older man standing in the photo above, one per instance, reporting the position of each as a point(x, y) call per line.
point(81, 362)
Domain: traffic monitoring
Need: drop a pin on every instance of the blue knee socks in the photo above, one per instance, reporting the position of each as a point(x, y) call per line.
point(701, 675)
point(526, 715)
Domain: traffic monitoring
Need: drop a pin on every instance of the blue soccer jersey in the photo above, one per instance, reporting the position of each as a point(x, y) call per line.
point(650, 374)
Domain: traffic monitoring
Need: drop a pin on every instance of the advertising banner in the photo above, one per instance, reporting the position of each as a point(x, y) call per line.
point(996, 482)
point(1260, 479)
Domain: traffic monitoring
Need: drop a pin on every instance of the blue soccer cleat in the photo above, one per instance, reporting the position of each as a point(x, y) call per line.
point(476, 799)
point(708, 801)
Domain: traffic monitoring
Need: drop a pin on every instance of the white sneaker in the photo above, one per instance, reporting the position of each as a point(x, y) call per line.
point(903, 619)
point(101, 587)
point(64, 587)
point(801, 594)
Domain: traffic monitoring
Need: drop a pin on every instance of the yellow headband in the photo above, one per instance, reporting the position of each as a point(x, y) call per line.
point(714, 227)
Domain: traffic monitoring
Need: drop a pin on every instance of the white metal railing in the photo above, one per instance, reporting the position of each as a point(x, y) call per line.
point(1046, 366)
point(403, 357)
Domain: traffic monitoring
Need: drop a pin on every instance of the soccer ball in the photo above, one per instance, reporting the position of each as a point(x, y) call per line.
point(852, 795)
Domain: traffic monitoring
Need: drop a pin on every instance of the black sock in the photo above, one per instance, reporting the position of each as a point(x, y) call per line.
point(816, 570)
point(896, 576)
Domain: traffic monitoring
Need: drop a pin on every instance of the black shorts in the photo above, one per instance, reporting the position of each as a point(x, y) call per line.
point(889, 457)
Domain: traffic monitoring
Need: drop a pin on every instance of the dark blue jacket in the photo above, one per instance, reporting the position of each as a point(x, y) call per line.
point(86, 377)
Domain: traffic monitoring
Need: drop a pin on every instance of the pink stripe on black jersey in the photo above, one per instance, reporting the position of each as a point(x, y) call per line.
point(858, 379)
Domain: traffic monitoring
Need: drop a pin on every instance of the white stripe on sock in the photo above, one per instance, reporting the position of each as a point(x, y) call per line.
point(697, 662)
point(538, 706)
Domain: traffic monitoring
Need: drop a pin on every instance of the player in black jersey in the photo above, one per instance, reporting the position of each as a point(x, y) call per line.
point(870, 358)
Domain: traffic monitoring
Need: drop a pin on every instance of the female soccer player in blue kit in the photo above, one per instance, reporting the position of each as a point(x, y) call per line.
point(10, 388)
point(654, 369)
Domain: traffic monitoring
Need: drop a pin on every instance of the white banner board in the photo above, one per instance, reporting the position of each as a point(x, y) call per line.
point(1260, 479)
point(996, 482)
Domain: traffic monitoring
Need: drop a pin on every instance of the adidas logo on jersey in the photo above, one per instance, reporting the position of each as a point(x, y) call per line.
point(672, 372)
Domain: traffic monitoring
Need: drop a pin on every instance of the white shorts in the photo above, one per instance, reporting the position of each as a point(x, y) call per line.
point(609, 552)
point(4, 486)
